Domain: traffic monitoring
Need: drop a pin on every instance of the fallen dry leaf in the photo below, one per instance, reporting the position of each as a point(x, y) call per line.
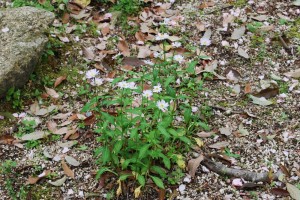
point(247, 89)
point(219, 145)
point(123, 47)
point(6, 139)
point(67, 169)
point(268, 93)
point(59, 80)
point(52, 93)
point(193, 164)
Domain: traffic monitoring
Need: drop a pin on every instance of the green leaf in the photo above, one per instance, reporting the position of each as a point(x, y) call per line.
point(166, 160)
point(169, 80)
point(191, 67)
point(143, 151)
point(102, 170)
point(105, 155)
point(164, 132)
point(159, 170)
point(158, 182)
point(141, 179)
point(187, 115)
point(185, 140)
point(118, 146)
point(171, 92)
point(204, 126)
point(123, 177)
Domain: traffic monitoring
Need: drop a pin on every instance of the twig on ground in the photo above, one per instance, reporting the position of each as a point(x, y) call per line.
point(221, 169)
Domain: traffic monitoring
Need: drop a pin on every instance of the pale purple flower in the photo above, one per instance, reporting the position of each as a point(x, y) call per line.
point(157, 88)
point(205, 41)
point(147, 93)
point(91, 73)
point(162, 105)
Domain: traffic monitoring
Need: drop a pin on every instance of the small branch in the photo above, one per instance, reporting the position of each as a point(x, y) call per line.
point(221, 169)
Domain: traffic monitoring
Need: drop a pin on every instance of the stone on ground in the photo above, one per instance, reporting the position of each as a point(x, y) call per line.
point(22, 41)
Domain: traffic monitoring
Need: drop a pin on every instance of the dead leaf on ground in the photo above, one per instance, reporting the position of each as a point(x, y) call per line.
point(232, 74)
point(52, 126)
point(65, 18)
point(293, 190)
point(205, 134)
point(88, 53)
point(52, 93)
point(127, 68)
point(6, 139)
point(280, 192)
point(72, 161)
point(123, 47)
point(90, 120)
point(144, 52)
point(247, 89)
point(58, 182)
point(238, 33)
point(59, 80)
point(294, 74)
point(34, 135)
point(140, 36)
point(67, 169)
point(105, 30)
point(219, 145)
point(243, 53)
point(268, 93)
point(61, 131)
point(193, 164)
point(132, 61)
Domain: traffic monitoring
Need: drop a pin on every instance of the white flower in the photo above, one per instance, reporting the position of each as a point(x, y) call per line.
point(147, 93)
point(179, 58)
point(225, 43)
point(97, 81)
point(132, 85)
point(205, 41)
point(157, 88)
point(181, 188)
point(176, 44)
point(148, 62)
point(123, 84)
point(160, 36)
point(92, 73)
point(162, 105)
point(157, 55)
point(194, 109)
point(250, 2)
point(172, 1)
point(178, 81)
point(5, 30)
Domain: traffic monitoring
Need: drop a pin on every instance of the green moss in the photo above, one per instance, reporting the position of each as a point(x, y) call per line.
point(293, 32)
point(38, 192)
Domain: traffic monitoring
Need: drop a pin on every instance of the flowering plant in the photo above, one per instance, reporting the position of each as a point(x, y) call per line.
point(138, 126)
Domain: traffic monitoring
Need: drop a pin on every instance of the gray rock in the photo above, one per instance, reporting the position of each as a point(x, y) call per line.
point(22, 41)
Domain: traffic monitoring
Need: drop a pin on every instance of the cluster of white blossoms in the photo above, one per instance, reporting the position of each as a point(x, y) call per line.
point(178, 58)
point(92, 76)
point(125, 85)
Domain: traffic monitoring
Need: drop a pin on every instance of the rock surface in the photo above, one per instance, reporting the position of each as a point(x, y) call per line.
point(22, 41)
